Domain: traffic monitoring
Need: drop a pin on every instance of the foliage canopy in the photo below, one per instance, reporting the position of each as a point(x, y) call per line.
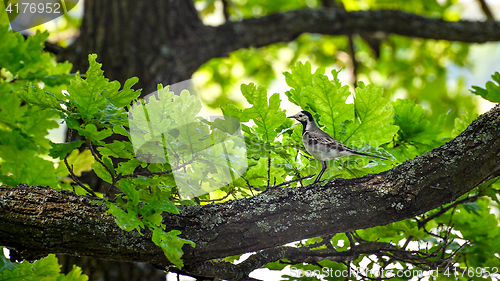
point(35, 91)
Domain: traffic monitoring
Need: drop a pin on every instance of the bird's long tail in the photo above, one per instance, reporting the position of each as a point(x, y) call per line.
point(364, 154)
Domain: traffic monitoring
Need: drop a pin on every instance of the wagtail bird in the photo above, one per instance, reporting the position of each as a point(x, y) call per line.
point(320, 144)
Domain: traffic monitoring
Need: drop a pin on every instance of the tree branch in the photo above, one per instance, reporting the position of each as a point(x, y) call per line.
point(286, 26)
point(486, 10)
point(36, 221)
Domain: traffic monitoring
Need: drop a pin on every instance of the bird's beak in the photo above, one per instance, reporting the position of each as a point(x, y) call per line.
point(293, 116)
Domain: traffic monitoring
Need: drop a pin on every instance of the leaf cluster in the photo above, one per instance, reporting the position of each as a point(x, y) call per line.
point(36, 94)
point(23, 122)
point(168, 148)
point(47, 269)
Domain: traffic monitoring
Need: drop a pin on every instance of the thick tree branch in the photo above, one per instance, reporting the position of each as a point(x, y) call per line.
point(286, 26)
point(36, 221)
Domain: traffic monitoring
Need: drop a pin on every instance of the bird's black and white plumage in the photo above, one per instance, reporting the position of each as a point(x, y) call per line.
point(320, 144)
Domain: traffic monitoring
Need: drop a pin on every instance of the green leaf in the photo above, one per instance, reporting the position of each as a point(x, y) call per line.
point(5, 263)
point(328, 100)
point(37, 96)
point(74, 275)
point(277, 265)
point(24, 58)
point(233, 111)
point(129, 190)
point(117, 129)
point(231, 259)
point(79, 161)
point(127, 221)
point(150, 121)
point(61, 150)
point(299, 78)
point(90, 131)
point(102, 172)
point(45, 269)
point(171, 244)
point(462, 122)
point(492, 91)
point(26, 126)
point(126, 95)
point(154, 219)
point(117, 149)
point(37, 122)
point(99, 101)
point(163, 204)
point(472, 207)
point(25, 167)
point(413, 127)
point(267, 116)
point(128, 167)
point(228, 125)
point(374, 117)
point(89, 101)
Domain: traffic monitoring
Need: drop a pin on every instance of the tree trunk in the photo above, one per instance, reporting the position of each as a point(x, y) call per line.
point(154, 40)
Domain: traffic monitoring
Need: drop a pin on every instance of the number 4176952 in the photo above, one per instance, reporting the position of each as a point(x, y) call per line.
point(33, 8)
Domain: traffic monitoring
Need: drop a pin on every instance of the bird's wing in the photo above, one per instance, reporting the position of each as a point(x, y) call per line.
point(323, 139)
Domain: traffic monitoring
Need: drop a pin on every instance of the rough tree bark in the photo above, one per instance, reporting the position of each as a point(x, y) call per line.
point(36, 221)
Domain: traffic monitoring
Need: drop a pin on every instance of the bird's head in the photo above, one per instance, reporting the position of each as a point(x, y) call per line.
point(303, 117)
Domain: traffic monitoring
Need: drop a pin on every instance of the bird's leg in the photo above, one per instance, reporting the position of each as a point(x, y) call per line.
point(323, 168)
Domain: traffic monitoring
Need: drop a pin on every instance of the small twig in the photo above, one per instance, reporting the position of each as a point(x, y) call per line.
point(220, 199)
point(486, 10)
point(452, 213)
point(422, 223)
point(408, 240)
point(69, 137)
point(225, 7)
point(351, 241)
point(75, 178)
point(96, 157)
point(292, 181)
point(325, 241)
point(348, 265)
point(251, 187)
point(432, 234)
point(269, 169)
point(119, 177)
point(352, 53)
point(358, 238)
point(50, 47)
